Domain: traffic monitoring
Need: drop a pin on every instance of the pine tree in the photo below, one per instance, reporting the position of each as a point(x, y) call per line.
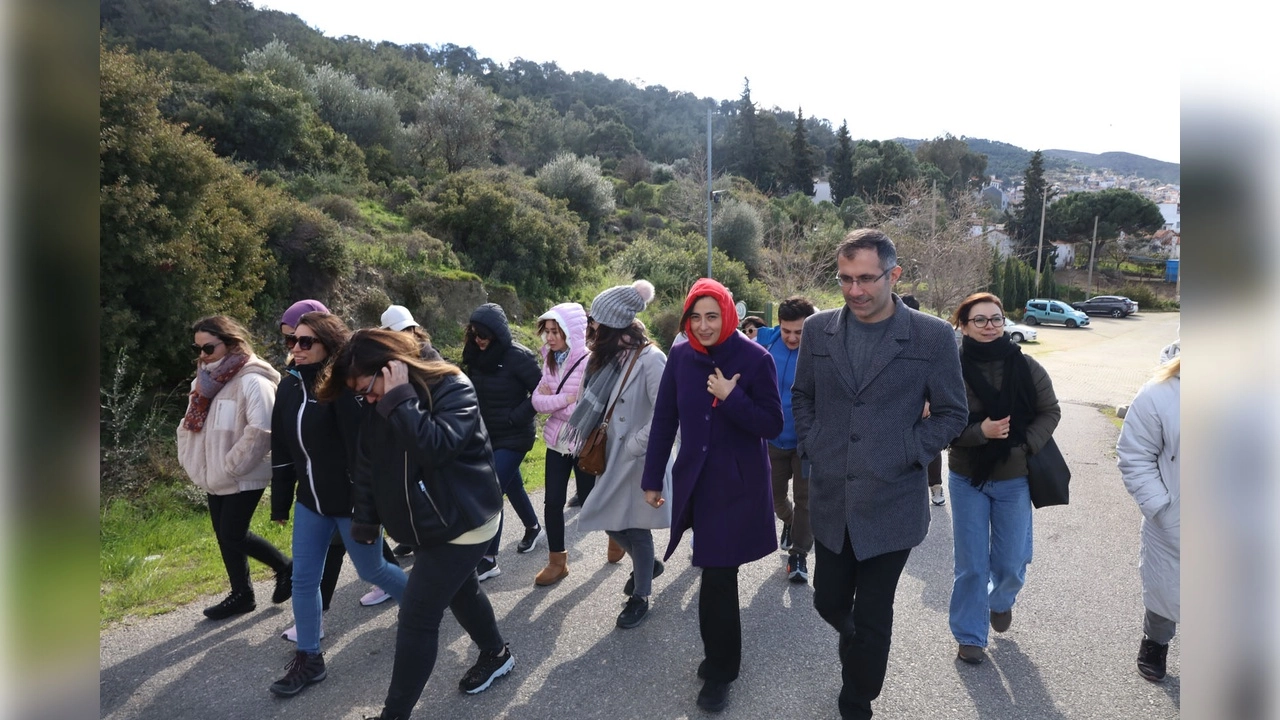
point(801, 158)
point(747, 160)
point(842, 169)
point(1023, 223)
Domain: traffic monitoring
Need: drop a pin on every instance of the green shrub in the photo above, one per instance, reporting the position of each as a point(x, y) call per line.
point(343, 209)
point(1146, 298)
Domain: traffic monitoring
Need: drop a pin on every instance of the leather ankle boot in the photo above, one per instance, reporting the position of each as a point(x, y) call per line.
point(556, 570)
point(615, 551)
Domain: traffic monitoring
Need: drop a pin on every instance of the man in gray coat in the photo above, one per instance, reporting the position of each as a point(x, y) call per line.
point(863, 378)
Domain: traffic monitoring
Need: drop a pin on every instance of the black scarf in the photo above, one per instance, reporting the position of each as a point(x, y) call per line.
point(485, 361)
point(1016, 399)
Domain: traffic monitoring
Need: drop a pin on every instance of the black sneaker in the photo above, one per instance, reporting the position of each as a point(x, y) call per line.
point(402, 550)
point(630, 587)
point(491, 666)
point(797, 569)
point(1152, 658)
point(714, 695)
point(284, 585)
point(304, 669)
point(784, 541)
point(237, 603)
point(530, 539)
point(487, 569)
point(575, 501)
point(633, 613)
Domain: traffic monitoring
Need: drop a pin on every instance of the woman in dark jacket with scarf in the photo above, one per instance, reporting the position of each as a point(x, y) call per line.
point(311, 447)
point(424, 471)
point(720, 390)
point(1012, 414)
point(505, 375)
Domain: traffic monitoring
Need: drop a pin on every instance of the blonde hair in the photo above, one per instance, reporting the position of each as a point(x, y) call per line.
point(1171, 369)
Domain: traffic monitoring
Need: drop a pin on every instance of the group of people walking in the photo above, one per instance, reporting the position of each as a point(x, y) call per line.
point(828, 422)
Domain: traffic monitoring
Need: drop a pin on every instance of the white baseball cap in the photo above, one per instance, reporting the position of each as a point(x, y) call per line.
point(397, 317)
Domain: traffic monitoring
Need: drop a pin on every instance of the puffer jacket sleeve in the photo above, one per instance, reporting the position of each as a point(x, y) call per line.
point(547, 403)
point(1138, 453)
point(259, 395)
point(283, 472)
point(1048, 412)
point(525, 369)
point(432, 436)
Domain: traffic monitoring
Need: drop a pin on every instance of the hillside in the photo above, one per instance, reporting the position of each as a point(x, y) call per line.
point(1123, 163)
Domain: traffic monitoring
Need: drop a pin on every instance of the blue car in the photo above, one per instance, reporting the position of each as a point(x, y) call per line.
point(1053, 311)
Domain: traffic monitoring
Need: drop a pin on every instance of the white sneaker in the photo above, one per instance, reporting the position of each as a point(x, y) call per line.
point(292, 634)
point(935, 491)
point(375, 596)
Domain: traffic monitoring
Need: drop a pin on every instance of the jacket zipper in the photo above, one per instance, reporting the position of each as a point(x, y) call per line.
point(311, 479)
point(409, 503)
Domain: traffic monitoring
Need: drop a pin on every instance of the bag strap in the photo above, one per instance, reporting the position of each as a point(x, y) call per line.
point(623, 384)
point(572, 367)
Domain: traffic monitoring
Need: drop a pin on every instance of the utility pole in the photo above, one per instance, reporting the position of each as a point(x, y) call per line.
point(1044, 198)
point(1092, 246)
point(710, 195)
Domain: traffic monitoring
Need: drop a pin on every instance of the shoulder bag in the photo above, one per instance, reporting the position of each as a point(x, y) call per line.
point(592, 456)
point(1048, 476)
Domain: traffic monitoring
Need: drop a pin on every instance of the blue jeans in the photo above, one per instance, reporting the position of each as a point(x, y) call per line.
point(311, 534)
point(992, 532)
point(507, 463)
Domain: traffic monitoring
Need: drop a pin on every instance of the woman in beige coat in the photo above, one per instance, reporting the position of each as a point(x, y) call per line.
point(224, 445)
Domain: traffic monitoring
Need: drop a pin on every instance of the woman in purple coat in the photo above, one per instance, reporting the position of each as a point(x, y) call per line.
point(720, 390)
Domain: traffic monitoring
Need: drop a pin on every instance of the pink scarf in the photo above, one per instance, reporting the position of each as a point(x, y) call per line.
point(208, 386)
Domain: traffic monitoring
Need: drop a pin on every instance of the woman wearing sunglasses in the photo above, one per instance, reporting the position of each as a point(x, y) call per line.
point(1012, 414)
point(312, 444)
point(424, 470)
point(224, 444)
point(333, 560)
point(505, 375)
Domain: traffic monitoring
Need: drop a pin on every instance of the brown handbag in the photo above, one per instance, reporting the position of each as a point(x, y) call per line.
point(592, 456)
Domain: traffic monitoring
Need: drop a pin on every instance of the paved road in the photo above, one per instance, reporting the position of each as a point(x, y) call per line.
point(1070, 653)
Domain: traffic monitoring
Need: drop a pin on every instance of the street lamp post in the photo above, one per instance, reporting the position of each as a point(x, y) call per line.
point(1044, 199)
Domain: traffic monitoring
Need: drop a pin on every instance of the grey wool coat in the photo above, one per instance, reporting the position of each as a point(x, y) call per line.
point(868, 445)
point(617, 500)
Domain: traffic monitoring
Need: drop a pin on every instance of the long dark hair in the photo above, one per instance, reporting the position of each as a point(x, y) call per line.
point(228, 331)
point(607, 343)
point(329, 330)
point(368, 351)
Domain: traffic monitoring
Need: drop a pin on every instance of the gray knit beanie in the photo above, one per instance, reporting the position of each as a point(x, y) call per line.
point(617, 306)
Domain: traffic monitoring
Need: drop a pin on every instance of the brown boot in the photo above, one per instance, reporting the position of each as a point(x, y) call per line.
point(615, 551)
point(555, 571)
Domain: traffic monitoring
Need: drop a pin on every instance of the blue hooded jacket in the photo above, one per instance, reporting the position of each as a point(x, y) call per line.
point(784, 359)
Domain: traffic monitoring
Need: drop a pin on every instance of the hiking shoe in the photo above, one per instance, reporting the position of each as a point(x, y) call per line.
point(491, 666)
point(304, 669)
point(633, 612)
point(797, 569)
point(935, 495)
point(1000, 621)
point(237, 603)
point(714, 695)
point(972, 654)
point(487, 569)
point(375, 596)
point(575, 501)
point(402, 550)
point(784, 540)
point(1152, 657)
point(630, 587)
point(292, 634)
point(284, 585)
point(530, 539)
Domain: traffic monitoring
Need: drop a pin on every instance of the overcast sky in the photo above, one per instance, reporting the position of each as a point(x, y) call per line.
point(1087, 76)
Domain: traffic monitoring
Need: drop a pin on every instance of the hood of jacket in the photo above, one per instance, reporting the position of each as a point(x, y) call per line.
point(572, 319)
point(492, 316)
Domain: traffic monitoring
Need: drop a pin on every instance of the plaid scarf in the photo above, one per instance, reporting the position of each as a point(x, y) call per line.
point(207, 386)
point(593, 402)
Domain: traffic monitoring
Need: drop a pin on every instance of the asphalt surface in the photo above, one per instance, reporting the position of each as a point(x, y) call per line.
point(1069, 654)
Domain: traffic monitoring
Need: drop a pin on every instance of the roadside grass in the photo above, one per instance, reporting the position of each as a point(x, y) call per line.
point(157, 552)
point(1110, 414)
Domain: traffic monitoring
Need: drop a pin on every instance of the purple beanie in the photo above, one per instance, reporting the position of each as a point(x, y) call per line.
point(300, 308)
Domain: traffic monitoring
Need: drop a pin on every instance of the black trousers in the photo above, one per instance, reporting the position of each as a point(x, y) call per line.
point(720, 622)
point(559, 467)
point(444, 576)
point(856, 598)
point(230, 515)
point(935, 471)
point(333, 567)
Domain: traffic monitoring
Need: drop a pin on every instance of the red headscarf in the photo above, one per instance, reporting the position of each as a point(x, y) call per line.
point(706, 287)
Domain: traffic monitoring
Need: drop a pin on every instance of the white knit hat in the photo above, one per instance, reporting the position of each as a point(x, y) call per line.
point(397, 317)
point(617, 306)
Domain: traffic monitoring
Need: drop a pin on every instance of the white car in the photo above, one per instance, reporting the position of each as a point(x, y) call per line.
point(1019, 333)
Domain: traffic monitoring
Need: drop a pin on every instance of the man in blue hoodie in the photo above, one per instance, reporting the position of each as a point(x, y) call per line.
point(783, 342)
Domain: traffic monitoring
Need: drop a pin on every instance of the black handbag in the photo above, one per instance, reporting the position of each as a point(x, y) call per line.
point(1048, 476)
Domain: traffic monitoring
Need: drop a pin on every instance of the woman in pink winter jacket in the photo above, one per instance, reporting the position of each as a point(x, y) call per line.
point(564, 360)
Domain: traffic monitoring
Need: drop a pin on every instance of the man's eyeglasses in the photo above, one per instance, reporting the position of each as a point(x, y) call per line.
point(303, 341)
point(206, 349)
point(862, 280)
point(980, 321)
point(360, 395)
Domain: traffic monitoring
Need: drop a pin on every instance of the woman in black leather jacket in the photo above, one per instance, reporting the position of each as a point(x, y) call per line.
point(424, 471)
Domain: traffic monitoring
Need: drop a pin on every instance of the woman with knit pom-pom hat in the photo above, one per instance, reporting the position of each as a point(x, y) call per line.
point(623, 374)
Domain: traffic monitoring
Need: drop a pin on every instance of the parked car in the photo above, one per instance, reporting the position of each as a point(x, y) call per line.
point(1019, 333)
point(1039, 310)
point(1117, 306)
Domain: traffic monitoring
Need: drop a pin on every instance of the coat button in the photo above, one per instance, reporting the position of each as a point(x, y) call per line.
point(854, 438)
point(704, 448)
point(622, 400)
point(622, 419)
point(708, 417)
point(858, 403)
